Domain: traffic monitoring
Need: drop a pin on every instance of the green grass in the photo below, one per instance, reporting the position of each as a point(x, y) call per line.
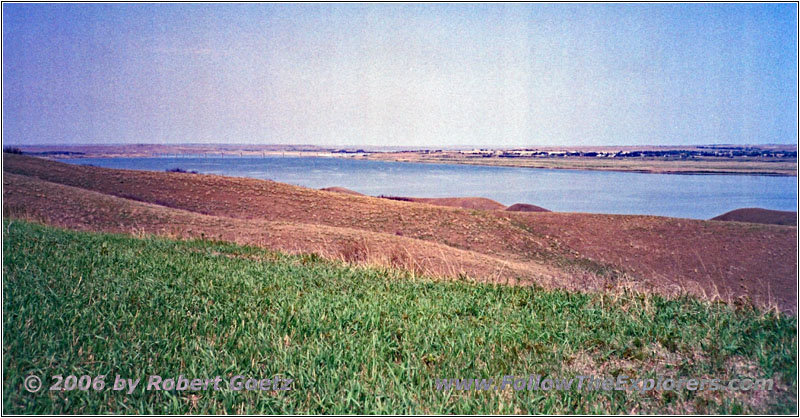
point(354, 339)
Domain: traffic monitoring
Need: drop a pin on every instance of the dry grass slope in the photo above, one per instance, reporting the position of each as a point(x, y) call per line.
point(718, 260)
point(759, 216)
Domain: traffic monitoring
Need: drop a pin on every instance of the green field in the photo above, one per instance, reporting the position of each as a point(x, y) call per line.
point(353, 339)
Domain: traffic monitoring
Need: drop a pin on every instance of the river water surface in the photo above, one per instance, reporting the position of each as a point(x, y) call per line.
point(676, 195)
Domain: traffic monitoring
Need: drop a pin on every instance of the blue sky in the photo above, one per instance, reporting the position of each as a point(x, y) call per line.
point(416, 74)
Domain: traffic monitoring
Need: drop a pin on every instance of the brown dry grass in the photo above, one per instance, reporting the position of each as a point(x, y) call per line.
point(342, 190)
point(480, 203)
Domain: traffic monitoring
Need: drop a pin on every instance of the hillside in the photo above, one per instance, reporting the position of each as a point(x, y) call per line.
point(352, 340)
point(716, 260)
point(759, 216)
point(480, 203)
point(525, 207)
point(342, 190)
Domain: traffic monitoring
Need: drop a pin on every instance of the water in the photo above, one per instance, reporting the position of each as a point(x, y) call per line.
point(685, 196)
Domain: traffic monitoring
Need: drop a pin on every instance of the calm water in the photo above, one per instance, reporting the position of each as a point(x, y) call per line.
point(686, 196)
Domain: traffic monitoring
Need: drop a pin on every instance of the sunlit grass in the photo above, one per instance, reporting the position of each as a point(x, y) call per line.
point(354, 340)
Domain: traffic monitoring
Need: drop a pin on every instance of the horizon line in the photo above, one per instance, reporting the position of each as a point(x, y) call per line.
point(484, 146)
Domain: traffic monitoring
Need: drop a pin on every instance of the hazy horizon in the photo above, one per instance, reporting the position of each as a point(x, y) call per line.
point(409, 75)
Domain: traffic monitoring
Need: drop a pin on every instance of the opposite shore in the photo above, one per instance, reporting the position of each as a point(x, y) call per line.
point(770, 160)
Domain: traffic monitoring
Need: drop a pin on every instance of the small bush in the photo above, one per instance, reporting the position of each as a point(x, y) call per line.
point(12, 150)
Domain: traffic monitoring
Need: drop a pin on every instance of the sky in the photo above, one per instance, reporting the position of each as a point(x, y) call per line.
point(423, 75)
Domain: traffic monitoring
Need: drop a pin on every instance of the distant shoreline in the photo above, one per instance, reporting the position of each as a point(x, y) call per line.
point(654, 167)
point(757, 160)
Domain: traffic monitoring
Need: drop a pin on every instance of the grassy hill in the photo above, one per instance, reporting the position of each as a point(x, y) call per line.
point(716, 260)
point(353, 339)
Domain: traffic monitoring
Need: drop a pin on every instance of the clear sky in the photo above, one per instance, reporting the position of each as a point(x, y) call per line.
point(416, 74)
